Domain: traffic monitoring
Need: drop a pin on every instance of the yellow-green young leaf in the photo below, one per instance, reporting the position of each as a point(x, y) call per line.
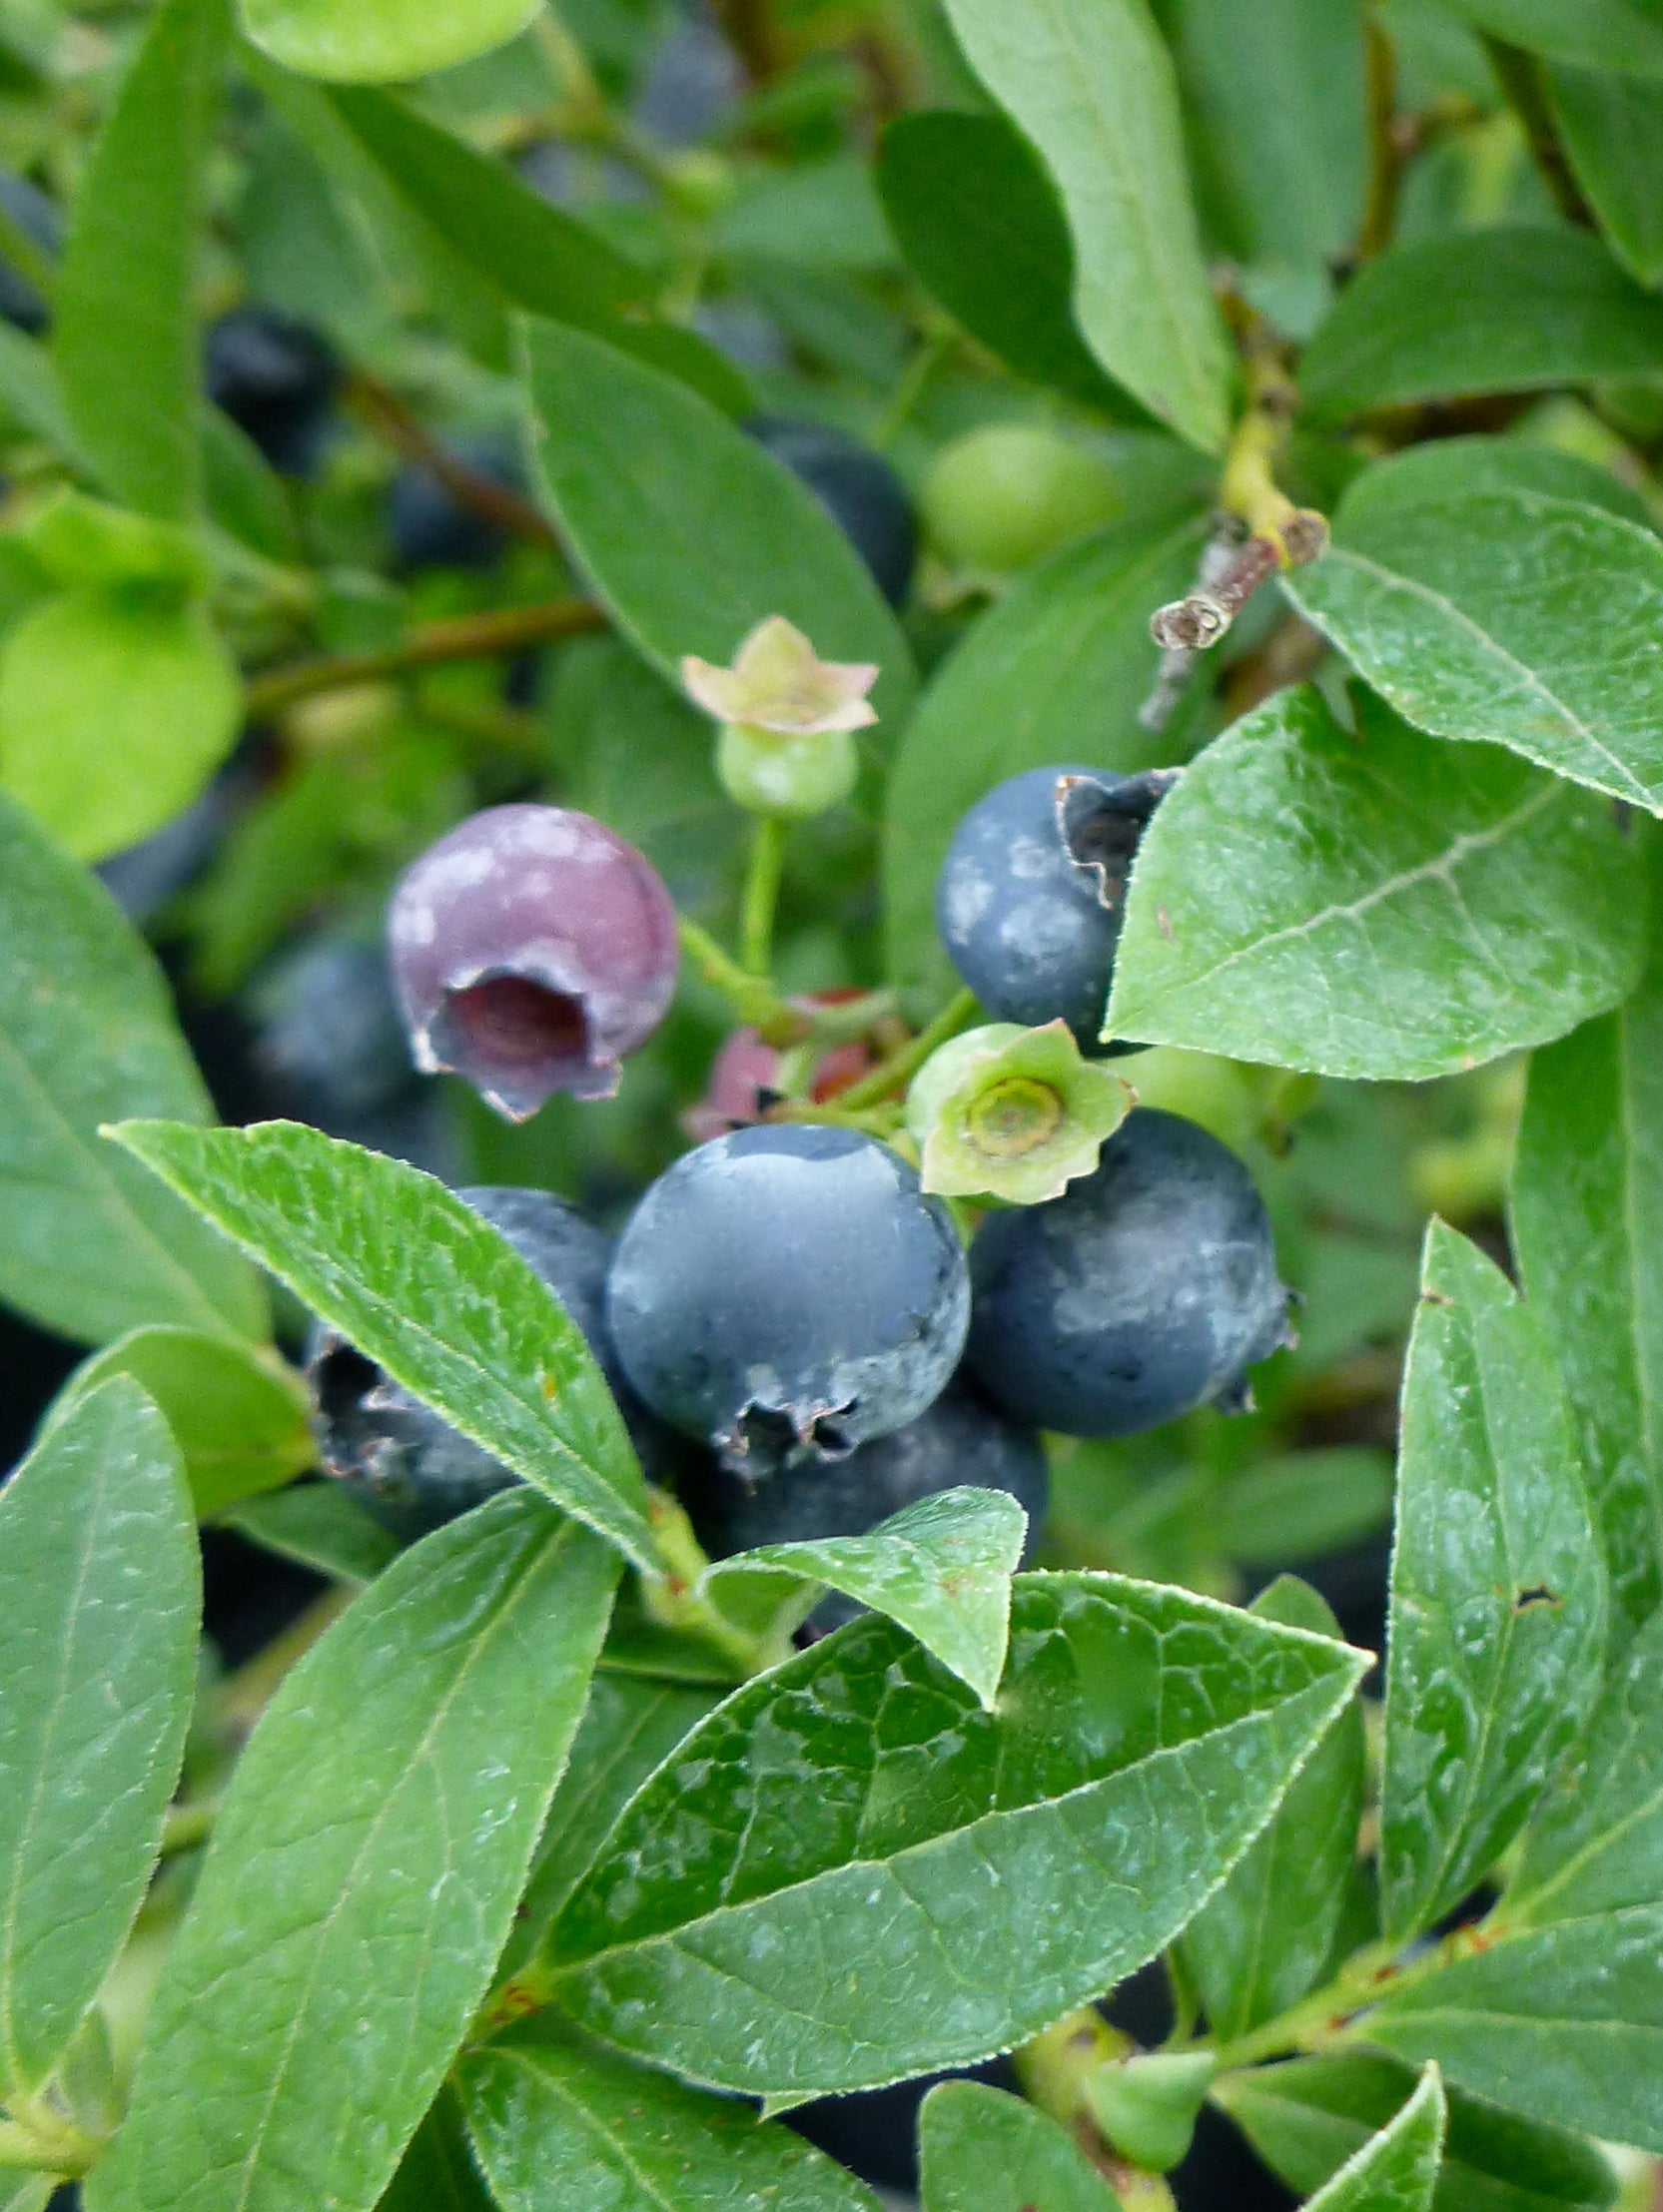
point(1497, 1626)
point(1599, 33)
point(437, 2172)
point(1305, 2118)
point(980, 2150)
point(561, 2124)
point(1396, 2170)
point(89, 1243)
point(646, 480)
point(1467, 311)
point(1376, 905)
point(362, 1875)
point(984, 1871)
point(381, 41)
point(1587, 1227)
point(1477, 614)
point(320, 1525)
point(1612, 129)
point(238, 1416)
point(115, 710)
point(1262, 1940)
point(420, 1283)
point(1092, 84)
point(124, 334)
point(100, 1599)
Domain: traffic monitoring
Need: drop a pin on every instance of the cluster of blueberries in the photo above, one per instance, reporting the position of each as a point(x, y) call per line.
point(798, 1337)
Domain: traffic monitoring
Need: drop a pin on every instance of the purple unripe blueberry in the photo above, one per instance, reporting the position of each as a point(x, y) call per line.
point(532, 948)
point(788, 1291)
point(1033, 891)
point(1147, 1289)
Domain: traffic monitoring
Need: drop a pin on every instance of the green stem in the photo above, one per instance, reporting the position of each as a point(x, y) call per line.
point(673, 1599)
point(915, 379)
point(753, 997)
point(45, 2141)
point(762, 882)
point(186, 1826)
point(895, 1073)
point(468, 637)
point(1367, 1976)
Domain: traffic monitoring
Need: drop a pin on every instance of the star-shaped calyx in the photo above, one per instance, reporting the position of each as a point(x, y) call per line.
point(779, 683)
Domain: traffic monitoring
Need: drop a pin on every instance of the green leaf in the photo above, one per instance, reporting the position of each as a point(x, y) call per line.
point(1467, 311)
point(1056, 672)
point(362, 1875)
point(319, 1525)
point(1307, 2117)
point(529, 252)
point(983, 2151)
point(1564, 2023)
point(561, 2124)
point(1093, 86)
point(1277, 91)
point(1497, 1591)
point(1377, 904)
point(1396, 2170)
point(30, 397)
point(1587, 1224)
point(1611, 127)
point(124, 334)
point(437, 2172)
point(942, 1568)
point(1304, 1505)
point(630, 1727)
point(982, 228)
point(1600, 34)
point(89, 1245)
point(1263, 1941)
point(646, 480)
point(113, 713)
point(419, 1282)
point(985, 1873)
point(245, 496)
point(1510, 617)
point(238, 1416)
point(1451, 467)
point(99, 1598)
point(379, 41)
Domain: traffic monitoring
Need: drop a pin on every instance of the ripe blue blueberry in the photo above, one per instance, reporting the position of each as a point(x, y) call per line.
point(37, 218)
point(1032, 890)
point(788, 1290)
point(858, 490)
point(410, 1467)
point(960, 1441)
point(276, 379)
point(429, 525)
point(1147, 1289)
point(531, 950)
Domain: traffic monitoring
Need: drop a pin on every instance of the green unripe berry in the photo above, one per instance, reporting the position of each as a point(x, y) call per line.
point(1006, 495)
point(789, 777)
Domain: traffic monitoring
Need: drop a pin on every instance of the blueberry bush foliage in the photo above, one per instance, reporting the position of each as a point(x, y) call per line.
point(831, 1061)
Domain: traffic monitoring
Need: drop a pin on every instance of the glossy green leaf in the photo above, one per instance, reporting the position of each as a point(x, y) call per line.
point(1587, 1225)
point(1562, 2023)
point(113, 713)
point(100, 1599)
point(319, 1525)
point(984, 1873)
point(1472, 613)
point(1378, 905)
point(630, 1727)
point(647, 480)
point(1611, 128)
point(238, 1416)
point(1093, 85)
point(983, 2151)
point(1453, 467)
point(420, 1283)
point(379, 41)
point(1497, 1589)
point(1306, 2117)
point(561, 2124)
point(942, 1567)
point(89, 1243)
point(125, 335)
point(1398, 2169)
point(982, 228)
point(1304, 1505)
point(1598, 34)
point(532, 253)
point(1264, 1938)
point(437, 2172)
point(362, 1875)
point(1056, 672)
point(1509, 310)
point(1275, 89)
